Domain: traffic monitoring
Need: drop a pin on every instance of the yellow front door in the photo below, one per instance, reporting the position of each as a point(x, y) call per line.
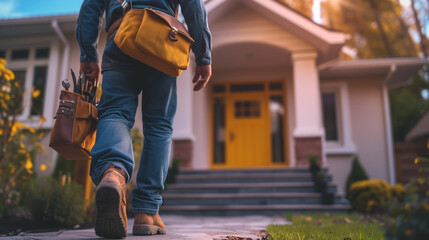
point(248, 125)
point(247, 131)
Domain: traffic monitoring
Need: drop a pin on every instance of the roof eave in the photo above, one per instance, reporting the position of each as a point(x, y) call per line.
point(395, 71)
point(305, 28)
point(420, 129)
point(38, 20)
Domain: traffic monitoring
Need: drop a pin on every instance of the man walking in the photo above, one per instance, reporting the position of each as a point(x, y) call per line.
point(124, 78)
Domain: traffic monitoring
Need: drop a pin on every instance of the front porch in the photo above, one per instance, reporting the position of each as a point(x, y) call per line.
point(248, 192)
point(263, 105)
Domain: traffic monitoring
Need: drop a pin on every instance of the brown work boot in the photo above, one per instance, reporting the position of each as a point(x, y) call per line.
point(111, 219)
point(148, 224)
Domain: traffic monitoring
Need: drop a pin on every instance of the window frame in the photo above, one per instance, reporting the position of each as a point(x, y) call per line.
point(29, 65)
point(340, 135)
point(345, 144)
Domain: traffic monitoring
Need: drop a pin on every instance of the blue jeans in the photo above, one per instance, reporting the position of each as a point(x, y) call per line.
point(123, 80)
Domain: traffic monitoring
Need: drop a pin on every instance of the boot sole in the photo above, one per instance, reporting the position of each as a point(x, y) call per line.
point(109, 222)
point(145, 229)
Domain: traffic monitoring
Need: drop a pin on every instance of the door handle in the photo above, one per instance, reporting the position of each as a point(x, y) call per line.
point(231, 136)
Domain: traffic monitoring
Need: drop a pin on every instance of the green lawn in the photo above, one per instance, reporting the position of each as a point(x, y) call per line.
point(327, 227)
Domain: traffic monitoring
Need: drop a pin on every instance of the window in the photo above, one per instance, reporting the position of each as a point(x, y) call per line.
point(42, 53)
point(330, 116)
point(219, 130)
point(247, 87)
point(219, 88)
point(336, 118)
point(277, 112)
point(20, 54)
point(247, 109)
point(31, 67)
point(39, 83)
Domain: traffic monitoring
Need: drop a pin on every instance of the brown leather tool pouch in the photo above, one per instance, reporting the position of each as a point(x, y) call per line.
point(73, 134)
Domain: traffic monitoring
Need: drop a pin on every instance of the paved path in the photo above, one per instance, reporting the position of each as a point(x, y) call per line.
point(178, 227)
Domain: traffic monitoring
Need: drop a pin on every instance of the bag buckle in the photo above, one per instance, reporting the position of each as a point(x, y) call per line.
point(125, 6)
point(173, 34)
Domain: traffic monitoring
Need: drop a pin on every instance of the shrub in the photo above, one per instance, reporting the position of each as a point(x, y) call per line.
point(58, 203)
point(408, 219)
point(398, 192)
point(63, 167)
point(18, 142)
point(320, 183)
point(357, 173)
point(423, 181)
point(314, 165)
point(173, 170)
point(320, 177)
point(312, 159)
point(370, 196)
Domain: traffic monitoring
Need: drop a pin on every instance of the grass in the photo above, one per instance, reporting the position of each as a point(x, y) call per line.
point(327, 227)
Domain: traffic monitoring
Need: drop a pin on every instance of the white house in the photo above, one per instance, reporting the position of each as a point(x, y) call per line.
point(279, 91)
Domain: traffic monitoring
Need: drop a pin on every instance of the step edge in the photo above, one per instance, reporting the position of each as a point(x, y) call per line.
point(244, 195)
point(246, 176)
point(259, 207)
point(244, 185)
point(300, 168)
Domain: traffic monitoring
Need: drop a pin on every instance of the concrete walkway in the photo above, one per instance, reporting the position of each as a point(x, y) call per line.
point(178, 227)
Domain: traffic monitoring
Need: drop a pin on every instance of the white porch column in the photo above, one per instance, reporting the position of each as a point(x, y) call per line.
point(308, 130)
point(307, 95)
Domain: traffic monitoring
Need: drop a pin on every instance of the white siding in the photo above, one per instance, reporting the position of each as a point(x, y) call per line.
point(368, 131)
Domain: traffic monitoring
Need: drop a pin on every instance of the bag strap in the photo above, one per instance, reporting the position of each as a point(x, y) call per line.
point(124, 4)
point(125, 7)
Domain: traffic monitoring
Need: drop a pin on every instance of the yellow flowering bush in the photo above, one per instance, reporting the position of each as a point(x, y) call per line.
point(409, 216)
point(370, 196)
point(18, 142)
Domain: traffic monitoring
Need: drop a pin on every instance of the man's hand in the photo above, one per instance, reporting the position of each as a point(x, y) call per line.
point(91, 69)
point(202, 76)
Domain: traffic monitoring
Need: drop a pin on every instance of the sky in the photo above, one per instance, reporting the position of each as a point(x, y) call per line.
point(33, 8)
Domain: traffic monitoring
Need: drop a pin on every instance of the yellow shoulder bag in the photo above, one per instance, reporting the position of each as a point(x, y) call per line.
point(154, 38)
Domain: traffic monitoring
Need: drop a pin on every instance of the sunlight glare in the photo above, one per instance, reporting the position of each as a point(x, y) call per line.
point(317, 11)
point(405, 3)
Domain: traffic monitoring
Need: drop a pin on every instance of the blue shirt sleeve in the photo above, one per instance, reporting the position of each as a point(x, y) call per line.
point(88, 29)
point(196, 18)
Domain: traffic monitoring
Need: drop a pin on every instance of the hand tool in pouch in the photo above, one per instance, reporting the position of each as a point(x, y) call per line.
point(74, 81)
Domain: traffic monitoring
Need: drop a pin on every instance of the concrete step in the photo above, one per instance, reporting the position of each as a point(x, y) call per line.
point(248, 171)
point(247, 178)
point(291, 187)
point(240, 210)
point(247, 199)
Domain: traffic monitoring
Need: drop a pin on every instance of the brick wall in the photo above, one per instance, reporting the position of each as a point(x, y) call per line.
point(305, 147)
point(182, 149)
